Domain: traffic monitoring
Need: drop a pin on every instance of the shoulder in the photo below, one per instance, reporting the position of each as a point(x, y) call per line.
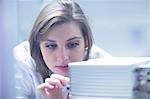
point(97, 52)
point(21, 53)
point(25, 71)
point(21, 50)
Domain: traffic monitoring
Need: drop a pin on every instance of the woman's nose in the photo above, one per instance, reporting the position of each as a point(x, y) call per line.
point(63, 56)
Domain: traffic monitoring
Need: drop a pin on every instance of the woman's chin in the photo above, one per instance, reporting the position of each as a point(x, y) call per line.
point(63, 74)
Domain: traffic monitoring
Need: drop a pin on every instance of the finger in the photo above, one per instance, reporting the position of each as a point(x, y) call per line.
point(54, 82)
point(44, 88)
point(45, 85)
point(64, 80)
point(47, 91)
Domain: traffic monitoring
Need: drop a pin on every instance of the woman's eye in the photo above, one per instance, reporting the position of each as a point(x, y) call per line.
point(72, 45)
point(51, 46)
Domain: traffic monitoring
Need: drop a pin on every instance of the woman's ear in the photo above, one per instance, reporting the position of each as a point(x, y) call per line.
point(86, 43)
point(85, 49)
point(85, 52)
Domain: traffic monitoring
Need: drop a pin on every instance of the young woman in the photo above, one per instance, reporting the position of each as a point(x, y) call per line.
point(60, 35)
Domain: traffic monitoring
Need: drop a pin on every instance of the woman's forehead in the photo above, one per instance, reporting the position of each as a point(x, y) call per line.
point(65, 29)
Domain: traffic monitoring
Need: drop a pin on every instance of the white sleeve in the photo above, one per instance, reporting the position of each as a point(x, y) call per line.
point(97, 52)
point(26, 77)
point(23, 79)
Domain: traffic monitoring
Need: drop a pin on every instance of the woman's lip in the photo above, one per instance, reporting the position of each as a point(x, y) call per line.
point(62, 67)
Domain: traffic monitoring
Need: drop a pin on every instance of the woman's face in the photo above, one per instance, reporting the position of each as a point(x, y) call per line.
point(63, 44)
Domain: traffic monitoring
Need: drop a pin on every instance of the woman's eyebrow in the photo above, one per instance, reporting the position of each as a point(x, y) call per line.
point(74, 38)
point(49, 40)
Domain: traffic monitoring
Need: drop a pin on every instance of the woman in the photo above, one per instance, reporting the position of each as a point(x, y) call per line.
point(60, 35)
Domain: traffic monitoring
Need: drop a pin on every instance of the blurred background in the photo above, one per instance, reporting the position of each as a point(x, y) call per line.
point(121, 27)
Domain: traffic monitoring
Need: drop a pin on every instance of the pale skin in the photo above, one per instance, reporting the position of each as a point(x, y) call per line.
point(64, 44)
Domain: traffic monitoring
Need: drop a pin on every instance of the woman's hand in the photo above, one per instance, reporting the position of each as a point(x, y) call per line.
point(52, 88)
